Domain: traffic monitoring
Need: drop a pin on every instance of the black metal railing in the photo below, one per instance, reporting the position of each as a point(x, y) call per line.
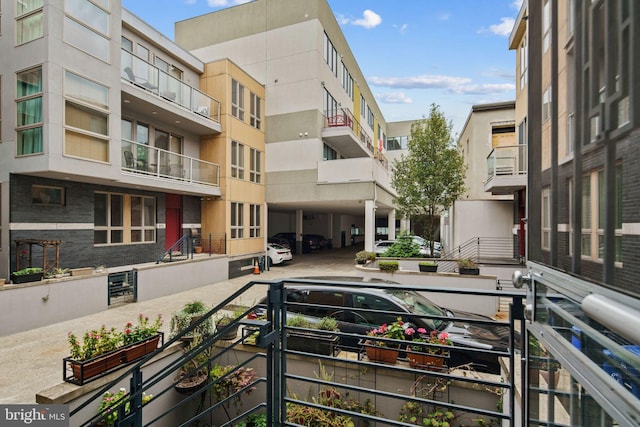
point(482, 250)
point(341, 383)
point(179, 251)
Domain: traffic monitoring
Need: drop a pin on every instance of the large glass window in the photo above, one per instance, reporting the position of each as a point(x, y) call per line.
point(546, 25)
point(546, 104)
point(29, 111)
point(237, 220)
point(254, 221)
point(237, 100)
point(29, 20)
point(546, 219)
point(347, 81)
point(524, 62)
point(86, 118)
point(330, 104)
point(328, 153)
point(255, 166)
point(256, 111)
point(237, 160)
point(87, 27)
point(330, 55)
point(110, 211)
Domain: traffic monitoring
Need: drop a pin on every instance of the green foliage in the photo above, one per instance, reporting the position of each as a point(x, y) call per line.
point(195, 307)
point(298, 321)
point(254, 420)
point(363, 256)
point(403, 247)
point(143, 330)
point(328, 324)
point(108, 407)
point(28, 270)
point(428, 263)
point(467, 263)
point(431, 176)
point(388, 265)
point(413, 413)
point(191, 312)
point(229, 380)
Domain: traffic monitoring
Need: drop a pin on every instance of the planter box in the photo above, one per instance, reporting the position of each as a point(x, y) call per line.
point(313, 343)
point(81, 372)
point(470, 271)
point(380, 354)
point(24, 278)
point(428, 268)
point(431, 362)
point(81, 271)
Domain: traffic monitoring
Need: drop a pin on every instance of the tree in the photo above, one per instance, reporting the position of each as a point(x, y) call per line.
point(431, 176)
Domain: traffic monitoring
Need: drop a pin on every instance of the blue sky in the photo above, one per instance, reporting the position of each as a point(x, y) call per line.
point(412, 52)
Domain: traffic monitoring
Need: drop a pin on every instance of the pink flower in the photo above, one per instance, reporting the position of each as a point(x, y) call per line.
point(409, 331)
point(422, 331)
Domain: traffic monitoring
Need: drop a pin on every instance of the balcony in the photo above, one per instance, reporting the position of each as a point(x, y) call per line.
point(173, 93)
point(344, 171)
point(506, 170)
point(345, 133)
point(154, 162)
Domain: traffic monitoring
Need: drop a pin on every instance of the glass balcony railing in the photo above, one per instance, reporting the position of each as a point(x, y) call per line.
point(148, 160)
point(149, 77)
point(508, 160)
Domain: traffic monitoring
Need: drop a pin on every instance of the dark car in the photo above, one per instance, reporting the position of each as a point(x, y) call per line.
point(314, 241)
point(359, 310)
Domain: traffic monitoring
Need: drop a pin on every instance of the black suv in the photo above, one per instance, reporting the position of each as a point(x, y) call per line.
point(359, 310)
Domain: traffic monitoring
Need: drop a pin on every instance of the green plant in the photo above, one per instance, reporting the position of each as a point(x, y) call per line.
point(188, 314)
point(403, 247)
point(143, 330)
point(388, 265)
point(467, 263)
point(299, 321)
point(419, 342)
point(394, 331)
point(229, 381)
point(364, 256)
point(28, 270)
point(413, 413)
point(428, 263)
point(328, 324)
point(94, 343)
point(254, 420)
point(110, 401)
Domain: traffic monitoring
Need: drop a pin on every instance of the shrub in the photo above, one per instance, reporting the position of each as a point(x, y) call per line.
point(404, 247)
point(388, 265)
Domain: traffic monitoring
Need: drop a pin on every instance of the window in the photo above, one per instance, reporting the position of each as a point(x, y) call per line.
point(330, 104)
point(347, 81)
point(47, 195)
point(363, 106)
point(254, 221)
point(370, 117)
point(110, 211)
point(237, 160)
point(237, 220)
point(237, 100)
point(86, 118)
point(330, 55)
point(255, 166)
point(570, 133)
point(594, 198)
point(328, 153)
point(87, 27)
point(546, 25)
point(29, 112)
point(256, 111)
point(126, 44)
point(546, 219)
point(546, 104)
point(29, 20)
point(570, 213)
point(524, 62)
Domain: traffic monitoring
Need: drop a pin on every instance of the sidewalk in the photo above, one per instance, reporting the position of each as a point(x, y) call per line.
point(32, 360)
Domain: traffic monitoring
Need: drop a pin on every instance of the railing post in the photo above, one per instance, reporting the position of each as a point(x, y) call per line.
point(135, 390)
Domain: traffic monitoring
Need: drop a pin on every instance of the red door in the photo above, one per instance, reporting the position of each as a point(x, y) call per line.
point(173, 207)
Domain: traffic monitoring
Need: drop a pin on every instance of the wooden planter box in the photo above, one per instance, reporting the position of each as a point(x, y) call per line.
point(81, 372)
point(380, 354)
point(81, 271)
point(426, 361)
point(313, 343)
point(25, 278)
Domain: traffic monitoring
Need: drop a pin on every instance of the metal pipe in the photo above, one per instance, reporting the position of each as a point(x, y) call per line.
point(618, 317)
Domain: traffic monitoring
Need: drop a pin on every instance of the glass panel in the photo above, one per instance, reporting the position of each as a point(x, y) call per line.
point(100, 210)
point(84, 118)
point(116, 211)
point(100, 237)
point(29, 82)
point(586, 202)
point(29, 111)
point(136, 235)
point(84, 39)
point(30, 141)
point(586, 245)
point(126, 128)
point(149, 212)
point(26, 6)
point(150, 235)
point(86, 90)
point(89, 14)
point(86, 146)
point(601, 200)
point(116, 236)
point(29, 28)
point(136, 211)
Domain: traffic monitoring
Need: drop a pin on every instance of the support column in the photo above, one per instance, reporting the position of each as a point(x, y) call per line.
point(369, 225)
point(299, 219)
point(391, 224)
point(330, 231)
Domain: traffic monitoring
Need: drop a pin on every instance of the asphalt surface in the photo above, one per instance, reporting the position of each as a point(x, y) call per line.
point(32, 360)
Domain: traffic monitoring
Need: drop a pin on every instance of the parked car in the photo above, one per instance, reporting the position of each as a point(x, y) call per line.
point(278, 254)
point(315, 241)
point(280, 241)
point(424, 244)
point(359, 310)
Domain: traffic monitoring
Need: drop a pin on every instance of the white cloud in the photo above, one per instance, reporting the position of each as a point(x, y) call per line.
point(424, 81)
point(190, 1)
point(483, 89)
point(369, 20)
point(401, 28)
point(220, 3)
point(394, 98)
point(444, 16)
point(217, 3)
point(516, 4)
point(503, 28)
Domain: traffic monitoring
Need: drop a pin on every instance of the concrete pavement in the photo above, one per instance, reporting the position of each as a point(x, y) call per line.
point(32, 360)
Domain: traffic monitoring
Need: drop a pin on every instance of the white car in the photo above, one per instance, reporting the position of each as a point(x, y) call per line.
point(278, 254)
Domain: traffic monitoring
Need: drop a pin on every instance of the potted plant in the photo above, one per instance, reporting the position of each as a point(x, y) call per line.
point(382, 345)
point(428, 266)
point(427, 351)
point(310, 341)
point(230, 382)
point(29, 274)
point(110, 403)
point(226, 319)
point(142, 338)
point(388, 266)
point(413, 413)
point(194, 373)
point(468, 266)
point(190, 313)
point(362, 257)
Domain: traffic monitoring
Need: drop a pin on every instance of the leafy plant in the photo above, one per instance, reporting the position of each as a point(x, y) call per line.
point(254, 420)
point(428, 263)
point(28, 270)
point(143, 330)
point(364, 256)
point(188, 314)
point(108, 407)
point(388, 265)
point(467, 263)
point(395, 331)
point(94, 343)
point(229, 380)
point(328, 324)
point(419, 340)
point(413, 413)
point(403, 247)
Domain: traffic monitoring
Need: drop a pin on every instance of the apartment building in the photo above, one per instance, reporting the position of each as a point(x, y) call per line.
point(115, 142)
point(578, 109)
point(492, 157)
point(326, 170)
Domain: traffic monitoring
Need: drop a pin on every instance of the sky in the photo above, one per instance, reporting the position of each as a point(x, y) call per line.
point(413, 53)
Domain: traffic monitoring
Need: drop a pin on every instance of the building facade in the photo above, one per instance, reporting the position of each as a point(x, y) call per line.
point(112, 143)
point(326, 170)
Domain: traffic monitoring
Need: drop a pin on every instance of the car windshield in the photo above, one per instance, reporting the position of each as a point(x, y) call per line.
point(418, 304)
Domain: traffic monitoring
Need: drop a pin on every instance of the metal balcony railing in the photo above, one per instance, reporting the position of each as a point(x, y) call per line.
point(343, 382)
point(344, 117)
point(505, 161)
point(151, 78)
point(148, 160)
